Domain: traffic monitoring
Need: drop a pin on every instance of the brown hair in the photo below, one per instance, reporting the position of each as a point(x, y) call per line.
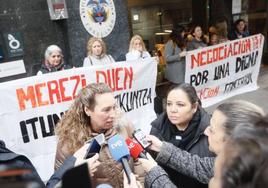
point(72, 130)
point(242, 158)
point(239, 112)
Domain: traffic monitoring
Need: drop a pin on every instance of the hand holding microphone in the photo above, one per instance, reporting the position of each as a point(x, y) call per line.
point(147, 141)
point(119, 151)
point(156, 144)
point(133, 183)
point(148, 163)
point(136, 151)
point(140, 137)
point(95, 145)
point(89, 153)
point(92, 162)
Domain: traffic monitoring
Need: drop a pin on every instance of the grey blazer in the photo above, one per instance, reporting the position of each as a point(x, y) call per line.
point(175, 68)
point(194, 166)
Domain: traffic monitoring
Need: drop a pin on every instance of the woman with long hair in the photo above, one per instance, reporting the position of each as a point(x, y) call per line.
point(239, 30)
point(137, 49)
point(96, 53)
point(175, 56)
point(94, 111)
point(222, 127)
point(198, 40)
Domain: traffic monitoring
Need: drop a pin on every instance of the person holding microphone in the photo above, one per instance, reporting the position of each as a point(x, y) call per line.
point(93, 112)
point(77, 159)
point(226, 117)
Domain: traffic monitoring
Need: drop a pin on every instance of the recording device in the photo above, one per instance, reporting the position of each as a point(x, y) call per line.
point(119, 151)
point(136, 151)
point(77, 177)
point(95, 145)
point(141, 138)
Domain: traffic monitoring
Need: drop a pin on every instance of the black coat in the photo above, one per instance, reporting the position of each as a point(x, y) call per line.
point(234, 34)
point(198, 145)
point(12, 160)
point(46, 69)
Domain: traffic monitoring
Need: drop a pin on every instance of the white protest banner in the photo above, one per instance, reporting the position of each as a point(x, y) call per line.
point(224, 70)
point(31, 106)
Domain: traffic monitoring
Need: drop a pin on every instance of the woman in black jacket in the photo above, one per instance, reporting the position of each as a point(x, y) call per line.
point(53, 61)
point(183, 125)
point(228, 120)
point(240, 30)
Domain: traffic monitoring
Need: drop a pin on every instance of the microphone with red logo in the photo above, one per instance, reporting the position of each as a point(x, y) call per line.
point(136, 151)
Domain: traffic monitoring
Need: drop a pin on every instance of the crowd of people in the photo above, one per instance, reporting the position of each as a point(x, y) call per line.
point(188, 146)
point(96, 55)
point(182, 40)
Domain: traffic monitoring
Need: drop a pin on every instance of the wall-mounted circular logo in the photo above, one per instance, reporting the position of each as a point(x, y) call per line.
point(98, 16)
point(13, 43)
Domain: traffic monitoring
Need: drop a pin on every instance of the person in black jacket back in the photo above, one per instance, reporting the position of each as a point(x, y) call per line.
point(10, 162)
point(183, 125)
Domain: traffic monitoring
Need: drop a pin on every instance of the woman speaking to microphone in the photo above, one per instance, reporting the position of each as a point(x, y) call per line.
point(94, 111)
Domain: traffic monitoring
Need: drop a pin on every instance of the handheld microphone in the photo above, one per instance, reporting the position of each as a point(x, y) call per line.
point(104, 185)
point(119, 151)
point(76, 177)
point(135, 149)
point(141, 138)
point(95, 145)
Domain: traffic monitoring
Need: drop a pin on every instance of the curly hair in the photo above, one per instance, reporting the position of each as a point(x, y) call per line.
point(72, 130)
point(90, 44)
